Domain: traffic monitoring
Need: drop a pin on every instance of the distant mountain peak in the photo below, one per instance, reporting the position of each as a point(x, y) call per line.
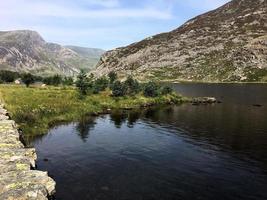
point(27, 51)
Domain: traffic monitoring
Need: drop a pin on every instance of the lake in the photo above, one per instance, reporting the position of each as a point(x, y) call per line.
point(172, 152)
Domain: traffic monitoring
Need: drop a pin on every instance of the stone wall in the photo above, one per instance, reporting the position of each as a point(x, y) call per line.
point(18, 179)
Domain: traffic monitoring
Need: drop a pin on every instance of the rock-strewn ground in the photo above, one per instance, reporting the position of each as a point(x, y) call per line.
point(18, 180)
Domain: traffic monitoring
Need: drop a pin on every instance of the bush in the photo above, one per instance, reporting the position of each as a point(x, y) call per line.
point(166, 90)
point(37, 78)
point(151, 89)
point(132, 86)
point(27, 79)
point(8, 76)
point(83, 83)
point(118, 89)
point(53, 80)
point(47, 80)
point(67, 81)
point(100, 84)
point(112, 77)
point(56, 80)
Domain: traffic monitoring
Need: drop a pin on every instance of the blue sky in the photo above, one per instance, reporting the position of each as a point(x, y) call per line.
point(105, 24)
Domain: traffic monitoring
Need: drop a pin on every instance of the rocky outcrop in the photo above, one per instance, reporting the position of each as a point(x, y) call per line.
point(27, 51)
point(226, 44)
point(18, 180)
point(204, 100)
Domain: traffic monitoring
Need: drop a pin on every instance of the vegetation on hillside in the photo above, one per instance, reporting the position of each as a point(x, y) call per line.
point(227, 49)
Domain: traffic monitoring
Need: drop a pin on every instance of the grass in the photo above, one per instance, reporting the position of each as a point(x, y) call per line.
point(37, 109)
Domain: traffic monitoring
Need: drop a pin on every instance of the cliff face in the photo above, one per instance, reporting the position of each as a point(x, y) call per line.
point(26, 51)
point(226, 44)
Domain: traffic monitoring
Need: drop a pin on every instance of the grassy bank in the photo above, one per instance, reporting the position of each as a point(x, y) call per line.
point(36, 109)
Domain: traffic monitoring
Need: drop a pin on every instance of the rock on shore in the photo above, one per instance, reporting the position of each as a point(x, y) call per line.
point(18, 180)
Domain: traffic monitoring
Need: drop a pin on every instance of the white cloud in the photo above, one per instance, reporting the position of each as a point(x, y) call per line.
point(104, 3)
point(44, 9)
point(99, 23)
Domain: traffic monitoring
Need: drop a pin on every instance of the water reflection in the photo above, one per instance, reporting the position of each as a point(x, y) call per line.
point(84, 126)
point(133, 117)
point(158, 153)
point(118, 117)
point(170, 152)
point(241, 129)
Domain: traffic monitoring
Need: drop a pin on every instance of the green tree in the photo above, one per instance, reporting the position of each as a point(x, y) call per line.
point(53, 80)
point(100, 84)
point(132, 86)
point(118, 89)
point(112, 77)
point(56, 80)
point(83, 83)
point(47, 80)
point(151, 89)
point(67, 81)
point(166, 90)
point(8, 76)
point(27, 79)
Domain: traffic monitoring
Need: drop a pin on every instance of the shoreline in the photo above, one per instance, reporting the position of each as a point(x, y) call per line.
point(19, 178)
point(27, 179)
point(45, 107)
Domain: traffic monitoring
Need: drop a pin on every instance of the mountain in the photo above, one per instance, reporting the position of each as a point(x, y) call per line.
point(87, 52)
point(89, 56)
point(226, 44)
point(27, 51)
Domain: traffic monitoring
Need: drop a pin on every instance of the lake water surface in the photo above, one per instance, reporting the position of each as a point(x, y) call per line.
point(213, 152)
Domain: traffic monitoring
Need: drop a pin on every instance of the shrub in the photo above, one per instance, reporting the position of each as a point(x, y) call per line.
point(47, 80)
point(118, 89)
point(27, 79)
point(67, 81)
point(8, 76)
point(83, 83)
point(56, 80)
point(53, 80)
point(100, 84)
point(166, 90)
point(112, 77)
point(37, 78)
point(132, 86)
point(151, 89)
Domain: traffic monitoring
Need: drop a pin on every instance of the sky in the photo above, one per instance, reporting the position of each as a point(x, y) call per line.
point(105, 24)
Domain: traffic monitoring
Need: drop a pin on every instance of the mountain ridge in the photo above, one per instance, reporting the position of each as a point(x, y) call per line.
point(222, 45)
point(27, 51)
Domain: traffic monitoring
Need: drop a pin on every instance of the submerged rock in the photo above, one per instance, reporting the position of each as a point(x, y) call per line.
point(257, 105)
point(204, 100)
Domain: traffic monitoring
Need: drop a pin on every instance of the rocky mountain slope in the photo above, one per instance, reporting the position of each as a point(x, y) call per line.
point(89, 56)
point(27, 51)
point(226, 44)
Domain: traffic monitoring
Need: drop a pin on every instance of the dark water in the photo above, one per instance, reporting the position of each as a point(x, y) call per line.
point(208, 152)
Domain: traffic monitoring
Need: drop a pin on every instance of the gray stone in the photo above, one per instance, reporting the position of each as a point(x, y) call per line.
point(17, 180)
